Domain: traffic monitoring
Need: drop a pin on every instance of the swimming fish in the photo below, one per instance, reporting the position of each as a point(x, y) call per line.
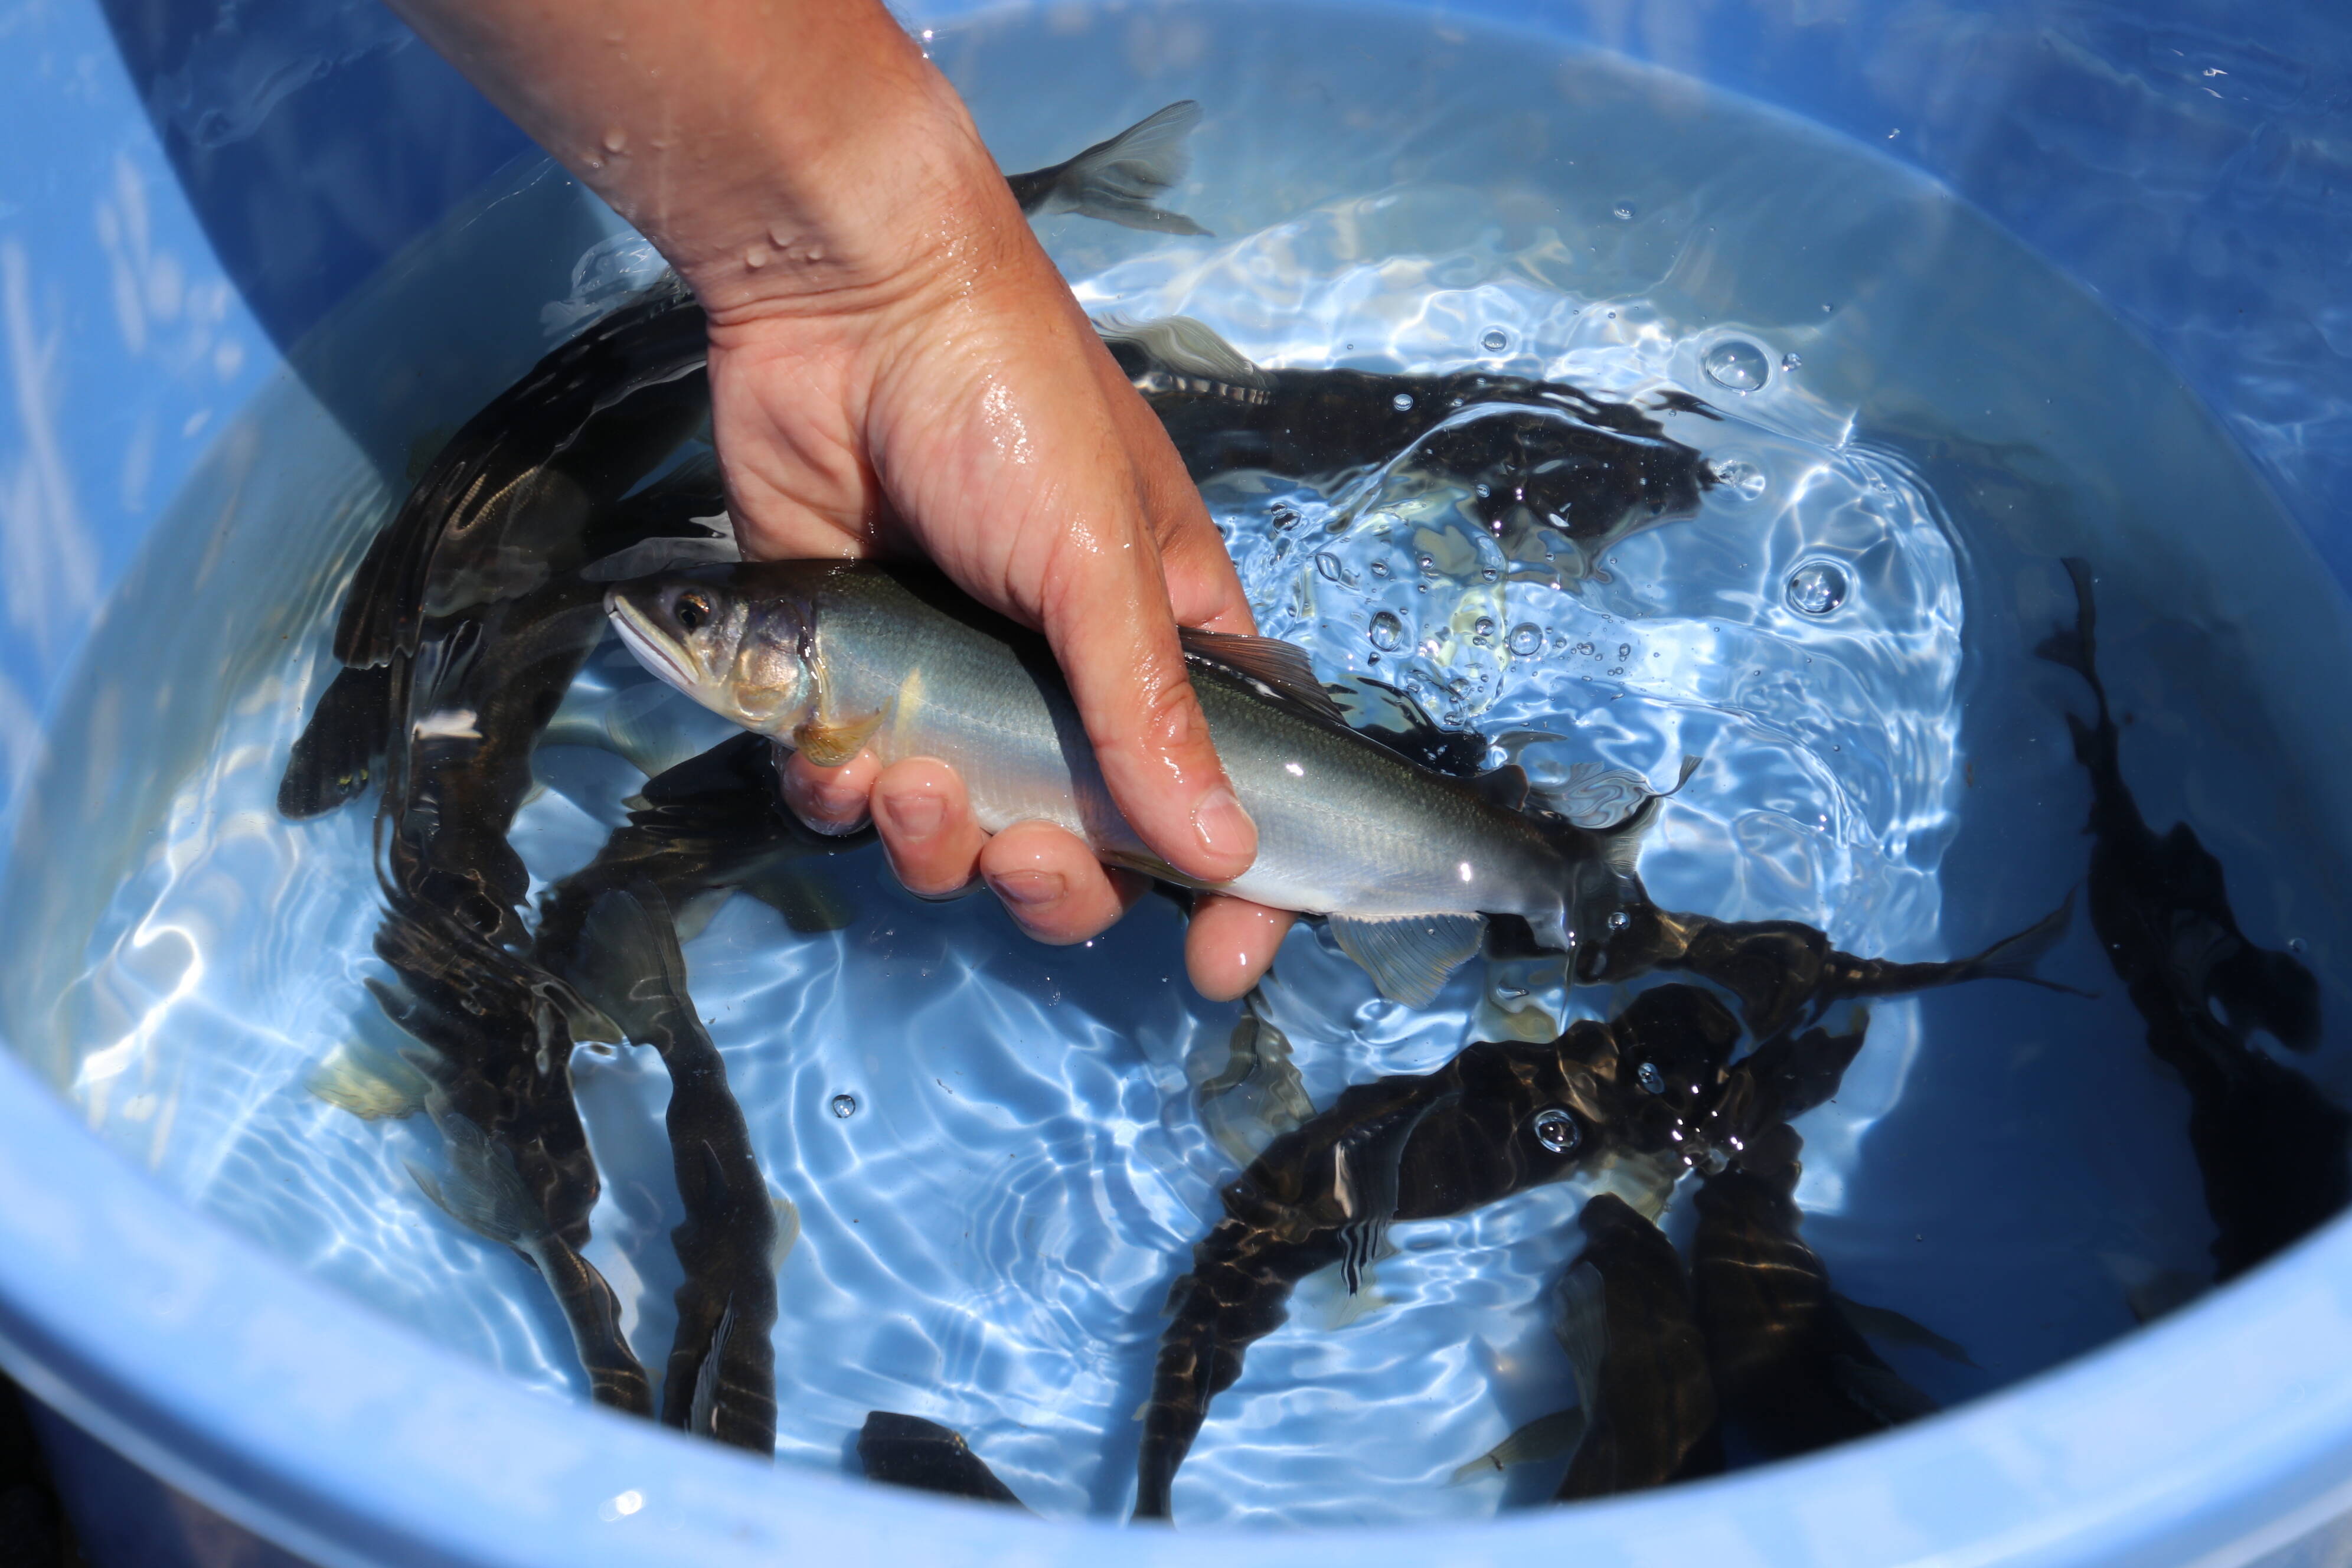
point(908, 1451)
point(1791, 1369)
point(2275, 1153)
point(833, 657)
point(1496, 1120)
point(713, 822)
point(1784, 971)
point(1648, 1399)
point(1556, 473)
point(484, 1191)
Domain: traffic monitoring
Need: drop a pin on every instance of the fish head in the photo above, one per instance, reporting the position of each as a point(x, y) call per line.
point(744, 655)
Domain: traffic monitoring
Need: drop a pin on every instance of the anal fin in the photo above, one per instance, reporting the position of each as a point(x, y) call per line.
point(1409, 956)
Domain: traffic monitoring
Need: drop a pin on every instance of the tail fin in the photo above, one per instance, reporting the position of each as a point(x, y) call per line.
point(1120, 180)
point(485, 1191)
point(2017, 957)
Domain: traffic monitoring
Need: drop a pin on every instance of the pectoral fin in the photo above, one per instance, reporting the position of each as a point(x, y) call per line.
point(829, 743)
point(1409, 956)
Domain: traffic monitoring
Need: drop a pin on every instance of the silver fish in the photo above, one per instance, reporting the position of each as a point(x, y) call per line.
point(832, 658)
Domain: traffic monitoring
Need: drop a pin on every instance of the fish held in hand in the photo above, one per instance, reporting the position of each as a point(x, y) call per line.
point(838, 658)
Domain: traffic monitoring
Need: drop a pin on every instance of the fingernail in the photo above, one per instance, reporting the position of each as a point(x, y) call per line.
point(1223, 826)
point(1029, 887)
point(916, 815)
point(834, 800)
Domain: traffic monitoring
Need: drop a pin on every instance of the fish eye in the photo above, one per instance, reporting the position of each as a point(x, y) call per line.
point(692, 610)
point(1557, 1130)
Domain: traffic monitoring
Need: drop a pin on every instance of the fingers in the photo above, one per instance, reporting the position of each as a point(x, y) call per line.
point(926, 826)
point(831, 800)
point(1231, 944)
point(1053, 886)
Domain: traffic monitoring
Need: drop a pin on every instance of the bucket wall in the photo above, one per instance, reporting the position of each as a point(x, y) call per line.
point(193, 185)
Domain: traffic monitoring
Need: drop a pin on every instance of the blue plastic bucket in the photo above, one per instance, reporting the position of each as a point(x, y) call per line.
point(191, 186)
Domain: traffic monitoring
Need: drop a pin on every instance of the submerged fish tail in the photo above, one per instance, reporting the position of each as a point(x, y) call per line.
point(1121, 180)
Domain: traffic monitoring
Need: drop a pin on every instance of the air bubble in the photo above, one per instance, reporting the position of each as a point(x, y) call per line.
point(1619, 920)
point(1737, 364)
point(1327, 565)
point(1427, 563)
point(1624, 650)
point(1557, 1130)
point(1380, 568)
point(1402, 401)
point(1623, 212)
point(845, 1106)
point(1651, 1080)
point(1387, 632)
point(1282, 514)
point(1585, 648)
point(1791, 361)
point(2296, 944)
point(1482, 628)
point(1527, 640)
point(1496, 340)
point(1742, 478)
point(1817, 587)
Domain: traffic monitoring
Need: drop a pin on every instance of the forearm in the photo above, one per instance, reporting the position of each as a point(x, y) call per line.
point(778, 153)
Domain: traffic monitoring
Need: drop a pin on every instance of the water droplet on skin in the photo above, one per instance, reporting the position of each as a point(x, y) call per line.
point(1557, 1130)
point(1737, 364)
point(1623, 212)
point(1619, 920)
point(616, 140)
point(1328, 565)
point(1496, 340)
point(1482, 628)
point(1743, 480)
point(1526, 641)
point(1791, 361)
point(1387, 632)
point(1402, 401)
point(845, 1106)
point(1651, 1080)
point(1817, 587)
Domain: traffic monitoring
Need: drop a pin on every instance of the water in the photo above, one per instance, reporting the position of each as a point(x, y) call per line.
point(997, 1149)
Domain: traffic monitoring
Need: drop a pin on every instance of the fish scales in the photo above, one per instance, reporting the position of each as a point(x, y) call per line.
point(838, 657)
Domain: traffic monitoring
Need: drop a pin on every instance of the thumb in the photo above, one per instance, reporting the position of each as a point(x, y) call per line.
point(1113, 633)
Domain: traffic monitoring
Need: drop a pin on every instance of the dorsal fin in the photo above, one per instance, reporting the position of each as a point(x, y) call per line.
point(1506, 786)
point(1281, 668)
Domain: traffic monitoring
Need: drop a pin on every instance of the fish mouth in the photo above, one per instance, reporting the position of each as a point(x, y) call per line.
point(641, 637)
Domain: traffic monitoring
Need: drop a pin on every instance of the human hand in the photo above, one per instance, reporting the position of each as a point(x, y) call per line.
point(895, 365)
point(963, 408)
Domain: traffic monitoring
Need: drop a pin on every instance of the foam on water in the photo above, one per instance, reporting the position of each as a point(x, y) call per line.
point(995, 1149)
